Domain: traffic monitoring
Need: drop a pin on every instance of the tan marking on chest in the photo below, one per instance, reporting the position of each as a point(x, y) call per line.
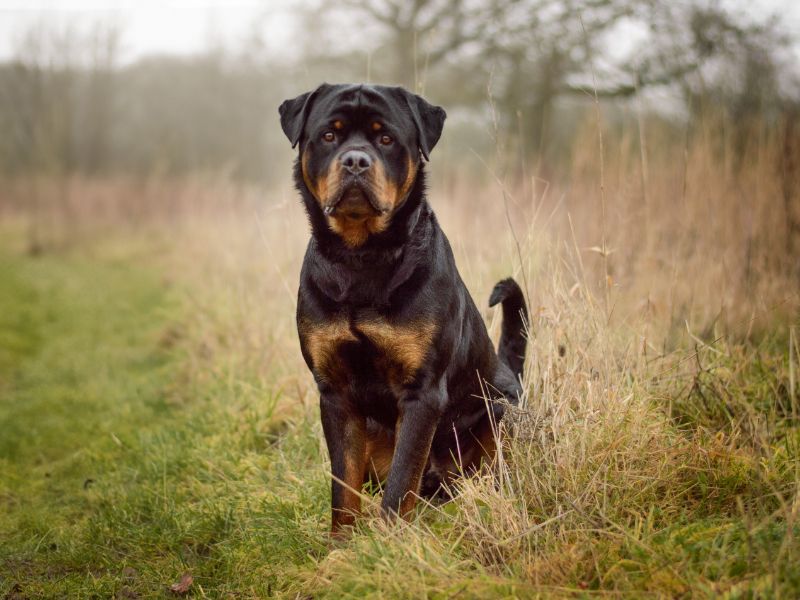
point(355, 232)
point(404, 346)
point(323, 339)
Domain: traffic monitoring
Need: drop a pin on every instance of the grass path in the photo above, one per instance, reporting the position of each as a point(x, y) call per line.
point(81, 378)
point(114, 480)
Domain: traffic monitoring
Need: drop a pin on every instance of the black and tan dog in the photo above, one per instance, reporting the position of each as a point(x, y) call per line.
point(396, 345)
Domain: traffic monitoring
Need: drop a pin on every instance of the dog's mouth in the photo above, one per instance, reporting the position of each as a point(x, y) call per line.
point(355, 201)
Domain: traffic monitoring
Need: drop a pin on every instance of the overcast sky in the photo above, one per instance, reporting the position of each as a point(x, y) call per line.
point(163, 26)
point(188, 26)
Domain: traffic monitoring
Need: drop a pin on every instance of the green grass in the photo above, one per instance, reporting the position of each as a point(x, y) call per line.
point(115, 475)
point(141, 440)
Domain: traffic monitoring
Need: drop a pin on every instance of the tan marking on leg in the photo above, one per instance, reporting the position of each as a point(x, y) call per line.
point(409, 501)
point(353, 480)
point(485, 444)
point(380, 449)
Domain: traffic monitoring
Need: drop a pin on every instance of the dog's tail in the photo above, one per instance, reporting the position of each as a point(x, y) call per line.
point(512, 338)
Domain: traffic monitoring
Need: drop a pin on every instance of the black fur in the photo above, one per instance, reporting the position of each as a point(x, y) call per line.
point(515, 314)
point(359, 303)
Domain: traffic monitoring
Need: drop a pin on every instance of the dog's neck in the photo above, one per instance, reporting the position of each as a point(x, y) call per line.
point(379, 250)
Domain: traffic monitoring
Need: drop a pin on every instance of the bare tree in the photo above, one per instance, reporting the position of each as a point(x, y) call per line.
point(538, 51)
point(420, 34)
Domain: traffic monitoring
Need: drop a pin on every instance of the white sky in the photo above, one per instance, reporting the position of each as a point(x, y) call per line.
point(188, 26)
point(148, 26)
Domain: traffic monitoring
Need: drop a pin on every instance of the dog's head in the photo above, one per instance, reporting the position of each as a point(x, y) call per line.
point(360, 151)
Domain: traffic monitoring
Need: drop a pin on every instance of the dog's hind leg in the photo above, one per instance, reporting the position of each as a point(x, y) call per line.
point(473, 450)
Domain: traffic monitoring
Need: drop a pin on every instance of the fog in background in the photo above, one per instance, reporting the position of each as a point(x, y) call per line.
point(171, 88)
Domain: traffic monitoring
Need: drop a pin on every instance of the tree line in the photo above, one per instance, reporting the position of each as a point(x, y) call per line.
point(522, 66)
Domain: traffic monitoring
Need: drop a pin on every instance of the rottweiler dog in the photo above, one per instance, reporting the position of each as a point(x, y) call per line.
point(409, 382)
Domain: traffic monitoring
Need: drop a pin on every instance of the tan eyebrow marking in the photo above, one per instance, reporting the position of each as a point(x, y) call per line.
point(337, 124)
point(376, 126)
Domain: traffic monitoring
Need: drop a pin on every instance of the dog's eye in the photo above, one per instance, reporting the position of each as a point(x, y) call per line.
point(386, 140)
point(328, 136)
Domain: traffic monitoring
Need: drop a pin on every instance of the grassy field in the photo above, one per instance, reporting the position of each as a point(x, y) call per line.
point(156, 419)
point(133, 453)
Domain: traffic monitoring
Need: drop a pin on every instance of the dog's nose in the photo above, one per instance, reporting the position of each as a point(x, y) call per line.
point(356, 161)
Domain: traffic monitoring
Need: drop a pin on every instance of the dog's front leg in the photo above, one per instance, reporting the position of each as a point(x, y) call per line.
point(345, 434)
point(419, 417)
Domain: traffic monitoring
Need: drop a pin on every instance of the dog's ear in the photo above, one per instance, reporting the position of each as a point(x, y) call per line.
point(429, 120)
point(294, 113)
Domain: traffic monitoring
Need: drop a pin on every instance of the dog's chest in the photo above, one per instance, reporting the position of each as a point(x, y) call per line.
point(344, 351)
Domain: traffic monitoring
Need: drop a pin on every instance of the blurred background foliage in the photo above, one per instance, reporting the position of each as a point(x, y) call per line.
point(516, 76)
